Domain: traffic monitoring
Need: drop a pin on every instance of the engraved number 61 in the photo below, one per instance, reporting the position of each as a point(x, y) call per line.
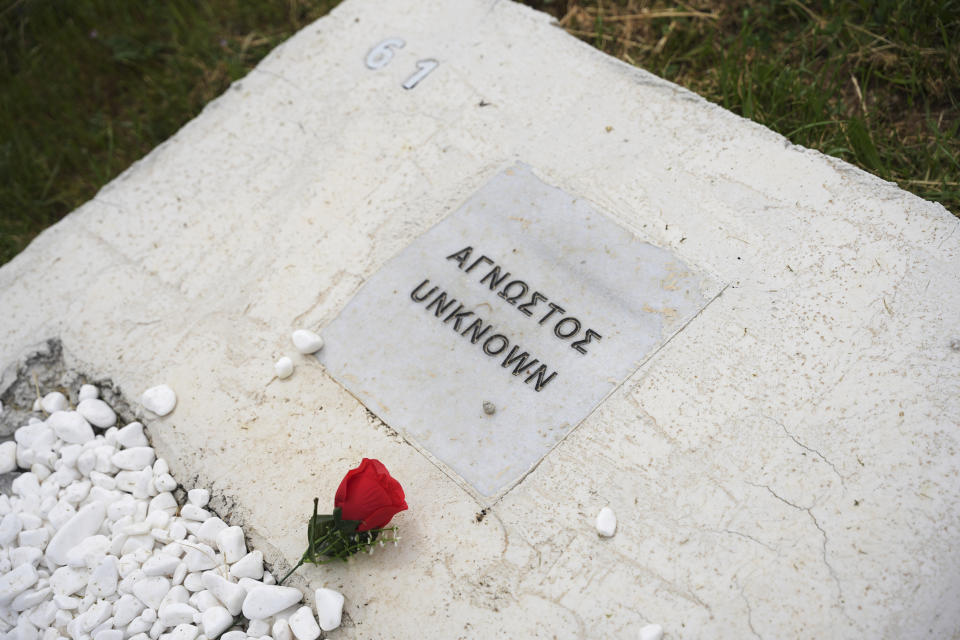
point(382, 54)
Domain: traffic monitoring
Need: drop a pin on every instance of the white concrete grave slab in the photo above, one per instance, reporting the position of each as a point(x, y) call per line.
point(785, 466)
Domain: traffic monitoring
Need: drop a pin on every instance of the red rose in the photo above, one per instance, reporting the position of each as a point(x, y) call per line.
point(369, 494)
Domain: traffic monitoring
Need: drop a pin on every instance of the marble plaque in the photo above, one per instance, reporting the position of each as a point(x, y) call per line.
point(496, 332)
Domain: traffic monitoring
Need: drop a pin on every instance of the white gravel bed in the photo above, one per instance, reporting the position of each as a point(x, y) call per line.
point(94, 544)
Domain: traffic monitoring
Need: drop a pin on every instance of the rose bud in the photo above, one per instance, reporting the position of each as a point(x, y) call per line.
point(369, 495)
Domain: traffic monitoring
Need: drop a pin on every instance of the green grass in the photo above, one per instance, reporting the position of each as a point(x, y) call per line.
point(874, 82)
point(89, 86)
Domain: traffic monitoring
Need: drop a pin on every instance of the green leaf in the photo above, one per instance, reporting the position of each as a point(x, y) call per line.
point(863, 147)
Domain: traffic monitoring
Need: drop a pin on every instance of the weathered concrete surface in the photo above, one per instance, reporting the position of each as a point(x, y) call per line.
point(785, 467)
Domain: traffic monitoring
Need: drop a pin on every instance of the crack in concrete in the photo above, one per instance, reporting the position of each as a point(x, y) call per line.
point(748, 537)
point(746, 601)
point(811, 450)
point(823, 546)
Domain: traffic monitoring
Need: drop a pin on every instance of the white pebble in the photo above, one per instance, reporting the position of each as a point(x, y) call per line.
point(249, 566)
point(139, 625)
point(15, 582)
point(306, 341)
point(132, 436)
point(156, 630)
point(97, 412)
point(108, 634)
point(194, 581)
point(249, 583)
point(265, 601)
point(67, 602)
point(177, 594)
point(34, 538)
point(78, 528)
point(303, 625)
point(10, 528)
point(165, 482)
point(651, 632)
point(165, 502)
point(37, 405)
point(281, 630)
point(24, 555)
point(329, 608)
point(96, 614)
point(204, 600)
point(178, 531)
point(126, 609)
point(193, 512)
point(215, 621)
point(54, 401)
point(8, 456)
point(134, 458)
point(210, 528)
point(258, 628)
point(176, 613)
point(234, 635)
point(231, 543)
point(199, 497)
point(88, 392)
point(29, 599)
point(200, 557)
point(66, 581)
point(231, 595)
point(70, 426)
point(606, 522)
point(283, 367)
point(103, 580)
point(160, 564)
point(183, 632)
point(180, 573)
point(160, 400)
point(151, 591)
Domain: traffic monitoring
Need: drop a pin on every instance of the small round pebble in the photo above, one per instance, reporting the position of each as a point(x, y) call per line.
point(329, 608)
point(8, 456)
point(231, 543)
point(199, 497)
point(165, 482)
point(281, 630)
point(132, 436)
point(606, 522)
point(215, 620)
point(160, 400)
point(304, 625)
point(265, 601)
point(249, 566)
point(88, 392)
point(70, 426)
point(306, 341)
point(651, 632)
point(283, 367)
point(54, 401)
point(97, 412)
